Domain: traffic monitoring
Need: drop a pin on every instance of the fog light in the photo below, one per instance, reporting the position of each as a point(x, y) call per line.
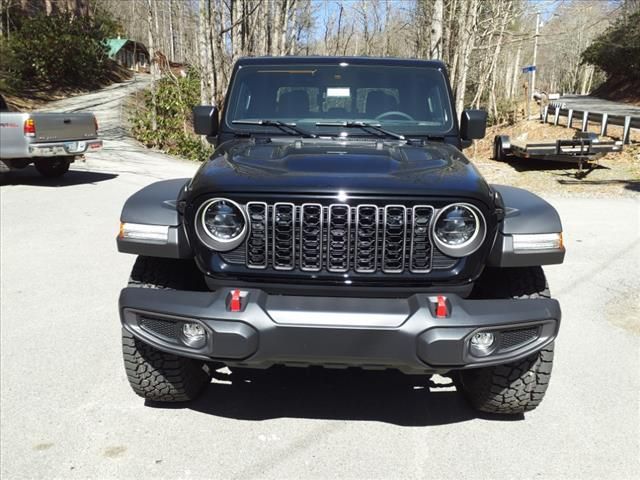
point(482, 344)
point(194, 335)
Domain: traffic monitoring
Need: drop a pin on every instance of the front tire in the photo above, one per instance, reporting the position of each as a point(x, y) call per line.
point(160, 376)
point(153, 374)
point(517, 387)
point(513, 388)
point(54, 167)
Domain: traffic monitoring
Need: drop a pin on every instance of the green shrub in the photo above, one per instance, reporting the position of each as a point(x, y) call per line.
point(57, 51)
point(7, 81)
point(617, 51)
point(175, 97)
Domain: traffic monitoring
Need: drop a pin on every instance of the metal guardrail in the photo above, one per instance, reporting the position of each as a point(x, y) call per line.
point(554, 111)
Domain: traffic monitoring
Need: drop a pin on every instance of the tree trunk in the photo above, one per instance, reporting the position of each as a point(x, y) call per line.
point(172, 45)
point(435, 47)
point(467, 41)
point(516, 74)
point(203, 49)
point(152, 65)
point(491, 74)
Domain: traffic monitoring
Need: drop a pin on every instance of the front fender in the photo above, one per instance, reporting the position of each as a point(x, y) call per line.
point(156, 205)
point(525, 214)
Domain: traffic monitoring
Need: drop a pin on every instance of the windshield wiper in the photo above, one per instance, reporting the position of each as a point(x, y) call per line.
point(376, 127)
point(288, 128)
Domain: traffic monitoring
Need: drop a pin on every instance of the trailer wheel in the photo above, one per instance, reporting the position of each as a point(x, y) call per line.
point(501, 147)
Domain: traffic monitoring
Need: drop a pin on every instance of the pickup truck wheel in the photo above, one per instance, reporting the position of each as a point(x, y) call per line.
point(153, 374)
point(517, 387)
point(54, 167)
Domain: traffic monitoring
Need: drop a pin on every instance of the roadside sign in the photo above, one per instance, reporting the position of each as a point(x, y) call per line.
point(528, 69)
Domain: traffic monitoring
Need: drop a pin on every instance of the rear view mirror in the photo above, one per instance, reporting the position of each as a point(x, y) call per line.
point(473, 124)
point(205, 120)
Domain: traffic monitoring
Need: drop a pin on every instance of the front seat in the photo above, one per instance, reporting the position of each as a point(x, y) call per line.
point(293, 104)
point(380, 102)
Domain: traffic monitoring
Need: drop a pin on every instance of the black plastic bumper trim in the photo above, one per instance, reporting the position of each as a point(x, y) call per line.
point(417, 343)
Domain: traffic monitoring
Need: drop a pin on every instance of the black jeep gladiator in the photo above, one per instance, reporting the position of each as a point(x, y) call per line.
point(339, 224)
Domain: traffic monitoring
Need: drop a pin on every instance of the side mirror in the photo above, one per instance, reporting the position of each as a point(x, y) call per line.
point(205, 120)
point(473, 124)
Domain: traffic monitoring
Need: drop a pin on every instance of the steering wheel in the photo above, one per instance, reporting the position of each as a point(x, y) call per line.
point(395, 112)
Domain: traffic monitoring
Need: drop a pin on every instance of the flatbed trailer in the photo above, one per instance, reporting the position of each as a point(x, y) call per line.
point(583, 149)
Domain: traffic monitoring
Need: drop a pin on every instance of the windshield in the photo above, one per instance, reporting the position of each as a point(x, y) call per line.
point(406, 100)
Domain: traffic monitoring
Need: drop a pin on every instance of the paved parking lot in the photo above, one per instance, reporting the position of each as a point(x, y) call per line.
point(67, 411)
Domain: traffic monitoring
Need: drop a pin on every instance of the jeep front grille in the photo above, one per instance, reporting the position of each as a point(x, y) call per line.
point(340, 238)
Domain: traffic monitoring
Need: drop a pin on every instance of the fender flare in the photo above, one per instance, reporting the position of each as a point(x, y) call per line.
point(156, 204)
point(524, 214)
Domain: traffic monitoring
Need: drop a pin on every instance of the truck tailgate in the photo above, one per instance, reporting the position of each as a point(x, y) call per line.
point(56, 127)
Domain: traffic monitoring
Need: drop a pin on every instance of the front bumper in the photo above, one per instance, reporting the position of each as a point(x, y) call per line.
point(402, 333)
point(58, 149)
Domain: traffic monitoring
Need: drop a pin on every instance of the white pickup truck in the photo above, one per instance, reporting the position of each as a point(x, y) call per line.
point(51, 141)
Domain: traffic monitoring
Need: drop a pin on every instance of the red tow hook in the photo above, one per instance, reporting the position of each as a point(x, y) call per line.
point(441, 307)
point(235, 305)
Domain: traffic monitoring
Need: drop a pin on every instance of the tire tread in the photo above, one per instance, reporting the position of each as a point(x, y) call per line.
point(517, 387)
point(153, 374)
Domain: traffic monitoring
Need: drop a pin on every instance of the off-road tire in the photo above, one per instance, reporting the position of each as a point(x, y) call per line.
point(54, 167)
point(517, 387)
point(513, 388)
point(160, 376)
point(153, 374)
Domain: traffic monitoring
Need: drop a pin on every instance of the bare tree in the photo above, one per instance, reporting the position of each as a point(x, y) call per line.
point(467, 34)
point(152, 63)
point(204, 52)
point(435, 48)
point(484, 43)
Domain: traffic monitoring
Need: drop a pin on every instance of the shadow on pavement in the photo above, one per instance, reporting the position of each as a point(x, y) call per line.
point(531, 164)
point(315, 393)
point(633, 185)
point(114, 133)
point(30, 176)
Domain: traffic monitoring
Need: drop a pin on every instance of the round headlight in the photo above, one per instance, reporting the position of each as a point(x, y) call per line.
point(459, 229)
point(221, 224)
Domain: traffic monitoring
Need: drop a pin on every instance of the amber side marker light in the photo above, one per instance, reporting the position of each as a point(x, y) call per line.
point(537, 241)
point(143, 232)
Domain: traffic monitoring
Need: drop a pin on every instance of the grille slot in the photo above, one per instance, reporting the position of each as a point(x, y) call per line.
point(284, 236)
point(394, 238)
point(311, 223)
point(517, 337)
point(338, 238)
point(366, 239)
point(165, 328)
point(420, 256)
point(256, 249)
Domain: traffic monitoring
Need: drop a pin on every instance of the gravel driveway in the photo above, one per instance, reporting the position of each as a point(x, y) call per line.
point(67, 411)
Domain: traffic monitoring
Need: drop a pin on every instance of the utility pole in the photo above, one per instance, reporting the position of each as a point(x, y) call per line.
point(535, 54)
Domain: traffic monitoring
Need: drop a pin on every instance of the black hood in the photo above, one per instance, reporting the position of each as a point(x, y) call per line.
point(328, 167)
